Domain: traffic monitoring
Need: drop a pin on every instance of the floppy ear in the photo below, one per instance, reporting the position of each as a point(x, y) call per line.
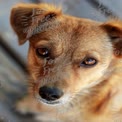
point(114, 30)
point(27, 19)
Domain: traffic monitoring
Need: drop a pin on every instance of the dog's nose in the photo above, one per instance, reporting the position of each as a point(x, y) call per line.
point(49, 93)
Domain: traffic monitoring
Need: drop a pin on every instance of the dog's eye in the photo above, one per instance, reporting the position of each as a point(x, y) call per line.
point(88, 62)
point(42, 52)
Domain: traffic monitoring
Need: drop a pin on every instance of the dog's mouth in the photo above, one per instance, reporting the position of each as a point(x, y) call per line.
point(49, 102)
point(63, 100)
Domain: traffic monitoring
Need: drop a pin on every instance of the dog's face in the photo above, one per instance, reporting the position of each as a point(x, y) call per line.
point(67, 55)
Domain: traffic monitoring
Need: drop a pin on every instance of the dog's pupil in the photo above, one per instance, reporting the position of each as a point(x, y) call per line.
point(43, 51)
point(88, 62)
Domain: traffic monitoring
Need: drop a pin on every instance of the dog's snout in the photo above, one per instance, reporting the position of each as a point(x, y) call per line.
point(49, 93)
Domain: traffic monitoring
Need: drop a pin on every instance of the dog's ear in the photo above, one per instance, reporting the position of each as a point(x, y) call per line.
point(114, 31)
point(26, 18)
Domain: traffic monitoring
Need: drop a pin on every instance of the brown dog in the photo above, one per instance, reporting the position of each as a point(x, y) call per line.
point(75, 64)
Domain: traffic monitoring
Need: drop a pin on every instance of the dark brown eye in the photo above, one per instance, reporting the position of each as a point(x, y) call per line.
point(42, 52)
point(88, 62)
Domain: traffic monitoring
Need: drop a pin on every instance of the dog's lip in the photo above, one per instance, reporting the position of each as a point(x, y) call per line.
point(48, 102)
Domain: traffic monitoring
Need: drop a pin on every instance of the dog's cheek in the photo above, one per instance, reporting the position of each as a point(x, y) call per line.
point(72, 80)
point(33, 64)
point(86, 78)
point(32, 57)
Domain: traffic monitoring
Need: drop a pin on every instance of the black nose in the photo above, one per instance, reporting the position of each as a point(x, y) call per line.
point(50, 94)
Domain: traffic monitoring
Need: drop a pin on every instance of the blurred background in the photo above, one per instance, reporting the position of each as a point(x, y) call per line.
point(13, 72)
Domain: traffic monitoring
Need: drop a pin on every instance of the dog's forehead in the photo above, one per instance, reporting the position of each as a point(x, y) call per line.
point(74, 31)
point(80, 32)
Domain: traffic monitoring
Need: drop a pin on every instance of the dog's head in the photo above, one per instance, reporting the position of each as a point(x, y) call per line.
point(67, 55)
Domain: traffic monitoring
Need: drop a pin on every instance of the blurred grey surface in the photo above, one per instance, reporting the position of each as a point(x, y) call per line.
point(12, 78)
point(12, 87)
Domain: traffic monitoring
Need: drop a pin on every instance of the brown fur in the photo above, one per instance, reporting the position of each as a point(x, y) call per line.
point(92, 94)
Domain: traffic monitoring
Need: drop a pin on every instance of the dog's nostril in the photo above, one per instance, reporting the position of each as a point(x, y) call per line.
point(55, 96)
point(50, 94)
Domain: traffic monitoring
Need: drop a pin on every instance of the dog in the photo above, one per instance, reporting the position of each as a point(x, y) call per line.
point(74, 63)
